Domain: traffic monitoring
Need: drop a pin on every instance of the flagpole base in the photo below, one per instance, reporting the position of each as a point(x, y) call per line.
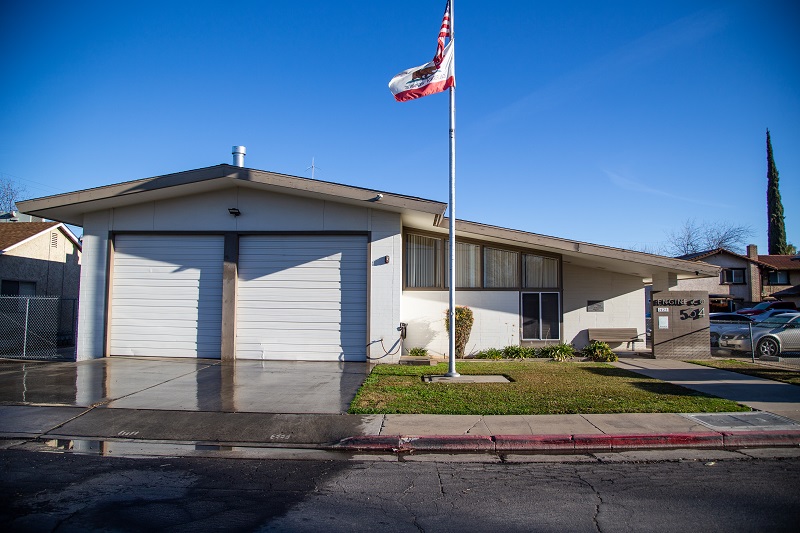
point(453, 375)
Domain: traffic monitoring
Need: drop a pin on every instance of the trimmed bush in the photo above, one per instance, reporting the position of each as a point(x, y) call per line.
point(491, 353)
point(558, 352)
point(464, 320)
point(519, 352)
point(599, 351)
point(418, 352)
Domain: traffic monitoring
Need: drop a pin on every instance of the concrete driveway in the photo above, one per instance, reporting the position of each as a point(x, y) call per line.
point(185, 384)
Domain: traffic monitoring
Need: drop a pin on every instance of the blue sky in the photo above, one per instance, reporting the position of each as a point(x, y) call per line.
point(609, 122)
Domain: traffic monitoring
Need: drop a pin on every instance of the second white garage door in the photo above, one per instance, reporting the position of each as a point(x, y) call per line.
point(302, 298)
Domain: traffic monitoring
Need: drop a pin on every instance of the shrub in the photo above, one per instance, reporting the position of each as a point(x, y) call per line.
point(418, 352)
point(519, 352)
point(599, 351)
point(558, 352)
point(491, 353)
point(464, 320)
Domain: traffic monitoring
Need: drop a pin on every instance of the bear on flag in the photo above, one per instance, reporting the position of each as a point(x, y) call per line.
point(433, 77)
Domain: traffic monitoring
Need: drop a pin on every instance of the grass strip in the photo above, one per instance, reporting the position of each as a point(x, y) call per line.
point(537, 388)
point(760, 371)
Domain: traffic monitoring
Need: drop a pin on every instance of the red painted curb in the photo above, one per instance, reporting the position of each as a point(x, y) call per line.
point(453, 443)
point(667, 440)
point(521, 443)
point(592, 442)
point(738, 439)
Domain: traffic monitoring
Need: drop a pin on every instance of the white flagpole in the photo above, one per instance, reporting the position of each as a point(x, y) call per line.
point(452, 311)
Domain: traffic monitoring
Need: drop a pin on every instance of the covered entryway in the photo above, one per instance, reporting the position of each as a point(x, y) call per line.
point(166, 296)
point(302, 297)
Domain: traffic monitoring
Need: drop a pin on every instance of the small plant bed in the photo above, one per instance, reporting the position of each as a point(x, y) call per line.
point(537, 388)
point(760, 371)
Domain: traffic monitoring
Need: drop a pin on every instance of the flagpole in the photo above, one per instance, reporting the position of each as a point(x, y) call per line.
point(452, 310)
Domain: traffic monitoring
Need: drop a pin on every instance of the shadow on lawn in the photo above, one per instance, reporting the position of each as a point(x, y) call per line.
point(646, 383)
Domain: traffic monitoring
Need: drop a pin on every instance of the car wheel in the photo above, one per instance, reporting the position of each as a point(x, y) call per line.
point(768, 347)
point(715, 339)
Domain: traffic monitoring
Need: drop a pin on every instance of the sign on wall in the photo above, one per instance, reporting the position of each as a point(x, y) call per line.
point(681, 319)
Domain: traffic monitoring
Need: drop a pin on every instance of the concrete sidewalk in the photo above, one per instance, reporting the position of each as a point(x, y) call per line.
point(176, 404)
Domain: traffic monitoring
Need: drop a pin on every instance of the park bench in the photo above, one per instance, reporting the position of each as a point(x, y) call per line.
point(615, 335)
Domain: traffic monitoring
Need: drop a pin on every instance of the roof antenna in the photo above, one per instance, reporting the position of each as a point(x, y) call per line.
point(312, 167)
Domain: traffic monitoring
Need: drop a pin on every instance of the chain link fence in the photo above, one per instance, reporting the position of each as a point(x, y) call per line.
point(38, 327)
point(773, 339)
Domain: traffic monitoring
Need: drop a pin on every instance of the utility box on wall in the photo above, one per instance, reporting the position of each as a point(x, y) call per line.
point(680, 325)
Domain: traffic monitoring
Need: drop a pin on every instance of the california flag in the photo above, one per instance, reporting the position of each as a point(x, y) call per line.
point(424, 80)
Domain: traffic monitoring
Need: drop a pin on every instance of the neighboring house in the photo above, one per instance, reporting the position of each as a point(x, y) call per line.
point(782, 280)
point(282, 267)
point(39, 259)
point(739, 282)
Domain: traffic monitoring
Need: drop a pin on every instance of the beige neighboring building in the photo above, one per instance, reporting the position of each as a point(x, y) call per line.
point(39, 259)
point(739, 283)
point(782, 280)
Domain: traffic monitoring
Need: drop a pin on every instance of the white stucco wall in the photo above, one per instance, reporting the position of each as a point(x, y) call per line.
point(261, 212)
point(495, 313)
point(623, 302)
point(92, 302)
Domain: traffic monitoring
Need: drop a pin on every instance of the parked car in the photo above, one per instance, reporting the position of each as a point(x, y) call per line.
point(766, 306)
point(780, 333)
point(723, 322)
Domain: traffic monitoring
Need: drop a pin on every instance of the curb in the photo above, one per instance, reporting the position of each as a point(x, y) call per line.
point(566, 443)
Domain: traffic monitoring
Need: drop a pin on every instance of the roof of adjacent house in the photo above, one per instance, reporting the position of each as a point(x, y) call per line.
point(699, 256)
point(791, 291)
point(415, 212)
point(780, 262)
point(12, 234)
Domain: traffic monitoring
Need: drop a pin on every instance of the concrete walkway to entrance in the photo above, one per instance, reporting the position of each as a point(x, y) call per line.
point(119, 401)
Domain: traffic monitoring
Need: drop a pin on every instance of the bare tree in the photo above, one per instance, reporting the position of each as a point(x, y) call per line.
point(10, 192)
point(694, 237)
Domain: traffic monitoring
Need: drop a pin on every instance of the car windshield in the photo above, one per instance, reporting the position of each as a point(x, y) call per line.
point(762, 305)
point(777, 320)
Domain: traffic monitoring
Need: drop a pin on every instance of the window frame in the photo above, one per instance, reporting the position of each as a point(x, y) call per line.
point(522, 318)
point(769, 281)
point(521, 252)
point(732, 271)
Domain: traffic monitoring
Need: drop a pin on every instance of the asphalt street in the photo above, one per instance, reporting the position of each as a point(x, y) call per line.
point(71, 492)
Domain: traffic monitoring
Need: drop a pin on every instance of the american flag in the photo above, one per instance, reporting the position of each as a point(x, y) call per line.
point(444, 32)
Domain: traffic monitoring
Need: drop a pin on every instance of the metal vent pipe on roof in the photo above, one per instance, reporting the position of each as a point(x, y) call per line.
point(238, 155)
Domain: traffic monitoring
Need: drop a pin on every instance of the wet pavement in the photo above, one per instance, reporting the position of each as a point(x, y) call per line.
point(185, 385)
point(186, 406)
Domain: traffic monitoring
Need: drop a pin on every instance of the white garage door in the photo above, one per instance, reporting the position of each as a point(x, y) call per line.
point(302, 298)
point(166, 296)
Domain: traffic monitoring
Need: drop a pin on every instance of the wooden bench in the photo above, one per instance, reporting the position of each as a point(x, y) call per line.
point(615, 335)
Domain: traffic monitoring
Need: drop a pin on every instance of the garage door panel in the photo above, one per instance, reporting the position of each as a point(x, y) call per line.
point(167, 296)
point(302, 297)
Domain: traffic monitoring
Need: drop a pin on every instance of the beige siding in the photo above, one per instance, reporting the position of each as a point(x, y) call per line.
point(622, 296)
point(496, 315)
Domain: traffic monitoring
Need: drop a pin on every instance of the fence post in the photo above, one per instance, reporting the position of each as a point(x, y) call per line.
point(25, 335)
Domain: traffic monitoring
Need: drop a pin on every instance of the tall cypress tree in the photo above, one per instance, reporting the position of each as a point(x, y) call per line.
point(776, 229)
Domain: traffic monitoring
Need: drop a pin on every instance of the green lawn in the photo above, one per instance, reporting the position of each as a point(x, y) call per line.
point(537, 387)
point(759, 371)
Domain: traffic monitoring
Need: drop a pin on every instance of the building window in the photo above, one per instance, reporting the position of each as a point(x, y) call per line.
point(732, 276)
point(423, 262)
point(541, 316)
point(500, 269)
point(539, 272)
point(17, 288)
point(468, 265)
point(778, 278)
